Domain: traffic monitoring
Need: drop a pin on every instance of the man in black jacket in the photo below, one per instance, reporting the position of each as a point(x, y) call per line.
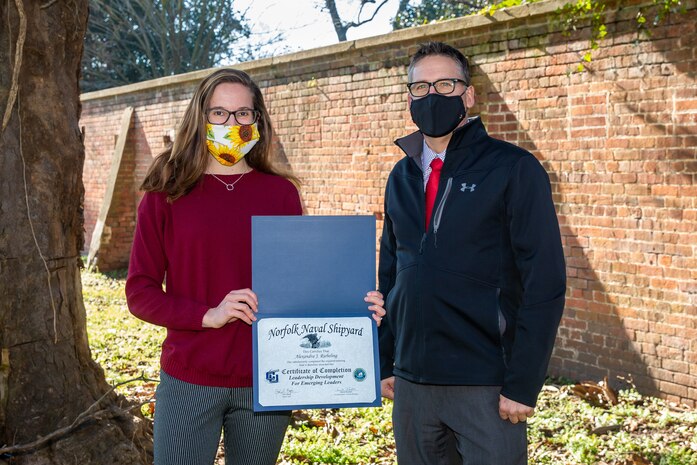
point(472, 268)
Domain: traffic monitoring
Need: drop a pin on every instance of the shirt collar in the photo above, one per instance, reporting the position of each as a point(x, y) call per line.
point(428, 155)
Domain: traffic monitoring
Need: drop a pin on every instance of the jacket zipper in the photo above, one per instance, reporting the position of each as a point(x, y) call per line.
point(499, 315)
point(439, 210)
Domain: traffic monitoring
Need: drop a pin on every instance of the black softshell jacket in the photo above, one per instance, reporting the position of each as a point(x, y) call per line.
point(476, 298)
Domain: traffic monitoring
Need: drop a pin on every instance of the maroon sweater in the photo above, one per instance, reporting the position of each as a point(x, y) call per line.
point(202, 244)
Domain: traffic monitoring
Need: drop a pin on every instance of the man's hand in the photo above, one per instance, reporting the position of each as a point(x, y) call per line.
point(387, 387)
point(513, 411)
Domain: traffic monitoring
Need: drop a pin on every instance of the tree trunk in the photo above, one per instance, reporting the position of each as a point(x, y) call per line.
point(339, 26)
point(47, 375)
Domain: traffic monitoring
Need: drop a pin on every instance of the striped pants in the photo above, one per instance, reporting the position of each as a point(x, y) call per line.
point(189, 419)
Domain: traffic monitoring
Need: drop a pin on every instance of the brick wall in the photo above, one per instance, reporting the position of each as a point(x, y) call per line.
point(619, 142)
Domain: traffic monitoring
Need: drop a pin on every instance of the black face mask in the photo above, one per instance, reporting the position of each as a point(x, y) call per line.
point(437, 115)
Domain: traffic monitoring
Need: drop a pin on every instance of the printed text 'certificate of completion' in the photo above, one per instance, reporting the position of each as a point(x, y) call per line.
point(315, 343)
point(316, 361)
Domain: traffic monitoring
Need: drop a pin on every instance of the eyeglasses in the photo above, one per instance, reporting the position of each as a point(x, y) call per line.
point(442, 86)
point(243, 116)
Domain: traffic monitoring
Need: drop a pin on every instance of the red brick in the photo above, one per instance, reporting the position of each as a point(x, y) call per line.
point(619, 144)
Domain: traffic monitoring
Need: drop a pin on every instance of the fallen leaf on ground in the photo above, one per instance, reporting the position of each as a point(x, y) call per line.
point(597, 394)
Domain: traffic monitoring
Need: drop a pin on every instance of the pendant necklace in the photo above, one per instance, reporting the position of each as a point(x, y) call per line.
point(230, 186)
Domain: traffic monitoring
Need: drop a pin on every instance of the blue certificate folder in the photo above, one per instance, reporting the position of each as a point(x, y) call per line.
point(307, 270)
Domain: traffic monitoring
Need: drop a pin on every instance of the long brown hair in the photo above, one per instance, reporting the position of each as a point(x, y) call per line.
point(180, 167)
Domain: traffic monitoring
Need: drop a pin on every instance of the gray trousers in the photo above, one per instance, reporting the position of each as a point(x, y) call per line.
point(189, 419)
point(454, 425)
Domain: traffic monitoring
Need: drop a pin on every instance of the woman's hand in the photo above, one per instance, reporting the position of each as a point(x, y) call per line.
point(240, 304)
point(375, 298)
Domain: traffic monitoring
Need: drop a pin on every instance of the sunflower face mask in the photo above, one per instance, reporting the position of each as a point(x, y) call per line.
point(228, 144)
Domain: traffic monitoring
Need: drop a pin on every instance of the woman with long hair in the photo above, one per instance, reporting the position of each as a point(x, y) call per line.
point(194, 233)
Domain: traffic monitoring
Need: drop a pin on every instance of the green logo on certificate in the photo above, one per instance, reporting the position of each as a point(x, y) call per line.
point(359, 374)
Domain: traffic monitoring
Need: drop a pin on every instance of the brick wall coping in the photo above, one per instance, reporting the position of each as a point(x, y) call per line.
point(428, 30)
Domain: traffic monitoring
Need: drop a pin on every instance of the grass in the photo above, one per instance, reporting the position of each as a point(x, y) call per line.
point(124, 346)
point(566, 429)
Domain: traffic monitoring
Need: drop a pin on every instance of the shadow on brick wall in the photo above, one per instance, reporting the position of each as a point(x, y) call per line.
point(115, 248)
point(592, 341)
point(280, 161)
point(280, 158)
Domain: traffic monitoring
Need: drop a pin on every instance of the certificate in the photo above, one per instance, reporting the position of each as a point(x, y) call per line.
point(315, 362)
point(315, 342)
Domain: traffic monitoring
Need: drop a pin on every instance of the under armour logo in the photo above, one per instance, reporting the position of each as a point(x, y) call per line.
point(465, 187)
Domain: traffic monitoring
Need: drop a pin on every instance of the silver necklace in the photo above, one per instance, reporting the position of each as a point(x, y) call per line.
point(228, 186)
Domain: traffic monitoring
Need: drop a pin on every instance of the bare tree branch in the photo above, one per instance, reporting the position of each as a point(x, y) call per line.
point(341, 27)
point(360, 23)
point(90, 414)
point(363, 4)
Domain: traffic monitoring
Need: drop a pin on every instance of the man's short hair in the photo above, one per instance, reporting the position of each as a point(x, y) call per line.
point(439, 48)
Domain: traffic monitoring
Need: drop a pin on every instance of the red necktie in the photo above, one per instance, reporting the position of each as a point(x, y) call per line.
point(432, 187)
